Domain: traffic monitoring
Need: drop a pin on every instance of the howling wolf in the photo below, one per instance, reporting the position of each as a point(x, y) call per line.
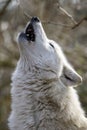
point(43, 94)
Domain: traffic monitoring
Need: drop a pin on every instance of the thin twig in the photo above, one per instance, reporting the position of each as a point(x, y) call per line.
point(27, 15)
point(66, 13)
point(61, 24)
point(76, 24)
point(4, 7)
point(48, 22)
point(84, 19)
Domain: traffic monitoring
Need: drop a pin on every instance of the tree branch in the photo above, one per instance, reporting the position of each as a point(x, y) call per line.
point(61, 24)
point(4, 7)
point(84, 19)
point(66, 13)
point(76, 24)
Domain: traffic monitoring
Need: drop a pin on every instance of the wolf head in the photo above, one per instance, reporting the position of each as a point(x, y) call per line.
point(43, 56)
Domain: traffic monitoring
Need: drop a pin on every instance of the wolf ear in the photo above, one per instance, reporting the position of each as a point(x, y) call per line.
point(70, 77)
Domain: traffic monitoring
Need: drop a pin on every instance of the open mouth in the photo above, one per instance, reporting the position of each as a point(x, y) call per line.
point(30, 35)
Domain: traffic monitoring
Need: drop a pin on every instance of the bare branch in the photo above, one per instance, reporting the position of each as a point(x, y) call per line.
point(76, 24)
point(48, 22)
point(4, 7)
point(27, 15)
point(84, 19)
point(66, 13)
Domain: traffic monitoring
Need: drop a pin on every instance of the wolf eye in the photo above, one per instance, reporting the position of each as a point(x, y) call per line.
point(51, 45)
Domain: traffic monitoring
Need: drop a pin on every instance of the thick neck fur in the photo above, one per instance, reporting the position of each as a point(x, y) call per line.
point(42, 104)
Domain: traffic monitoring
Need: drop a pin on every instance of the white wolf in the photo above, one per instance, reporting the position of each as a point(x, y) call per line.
point(43, 97)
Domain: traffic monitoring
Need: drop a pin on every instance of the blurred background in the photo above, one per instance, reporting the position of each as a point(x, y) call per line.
point(13, 18)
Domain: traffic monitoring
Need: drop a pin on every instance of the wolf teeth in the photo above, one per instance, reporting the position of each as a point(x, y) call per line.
point(27, 35)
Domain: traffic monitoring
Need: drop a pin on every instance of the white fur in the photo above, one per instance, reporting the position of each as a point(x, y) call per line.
point(42, 97)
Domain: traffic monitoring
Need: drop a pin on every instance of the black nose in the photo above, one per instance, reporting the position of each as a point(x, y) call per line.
point(35, 19)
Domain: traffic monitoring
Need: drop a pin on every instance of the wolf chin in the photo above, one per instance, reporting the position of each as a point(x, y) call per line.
point(43, 94)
